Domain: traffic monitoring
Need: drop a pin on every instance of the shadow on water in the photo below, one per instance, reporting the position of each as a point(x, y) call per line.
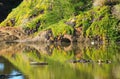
point(69, 61)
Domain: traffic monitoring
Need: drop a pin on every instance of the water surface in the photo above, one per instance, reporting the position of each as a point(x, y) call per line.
point(74, 61)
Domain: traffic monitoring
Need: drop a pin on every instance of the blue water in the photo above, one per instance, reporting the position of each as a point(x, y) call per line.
point(6, 68)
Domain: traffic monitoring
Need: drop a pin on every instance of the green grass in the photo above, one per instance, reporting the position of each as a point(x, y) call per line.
point(52, 14)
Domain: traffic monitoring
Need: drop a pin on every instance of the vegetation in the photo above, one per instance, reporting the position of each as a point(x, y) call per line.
point(98, 21)
point(37, 15)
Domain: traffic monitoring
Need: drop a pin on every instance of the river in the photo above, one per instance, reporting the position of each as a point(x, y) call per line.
point(69, 61)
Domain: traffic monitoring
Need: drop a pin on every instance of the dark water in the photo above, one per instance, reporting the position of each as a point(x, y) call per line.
point(76, 61)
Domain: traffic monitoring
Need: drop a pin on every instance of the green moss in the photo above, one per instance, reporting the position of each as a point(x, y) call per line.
point(61, 28)
point(28, 12)
point(81, 5)
point(50, 14)
point(24, 11)
point(97, 21)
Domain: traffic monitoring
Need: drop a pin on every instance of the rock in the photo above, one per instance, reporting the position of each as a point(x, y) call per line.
point(104, 2)
point(116, 11)
point(10, 38)
point(81, 39)
point(78, 31)
point(44, 36)
point(72, 22)
point(10, 34)
point(98, 3)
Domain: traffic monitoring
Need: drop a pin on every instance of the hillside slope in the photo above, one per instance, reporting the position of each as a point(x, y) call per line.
point(83, 19)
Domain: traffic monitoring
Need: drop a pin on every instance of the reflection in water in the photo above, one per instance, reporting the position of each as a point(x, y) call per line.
point(1, 66)
point(8, 71)
point(75, 61)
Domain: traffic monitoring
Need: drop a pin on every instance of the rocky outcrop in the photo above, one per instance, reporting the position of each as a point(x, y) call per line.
point(11, 33)
point(44, 36)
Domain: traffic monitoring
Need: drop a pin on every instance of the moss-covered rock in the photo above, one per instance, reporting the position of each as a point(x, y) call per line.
point(39, 14)
point(98, 22)
point(73, 17)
